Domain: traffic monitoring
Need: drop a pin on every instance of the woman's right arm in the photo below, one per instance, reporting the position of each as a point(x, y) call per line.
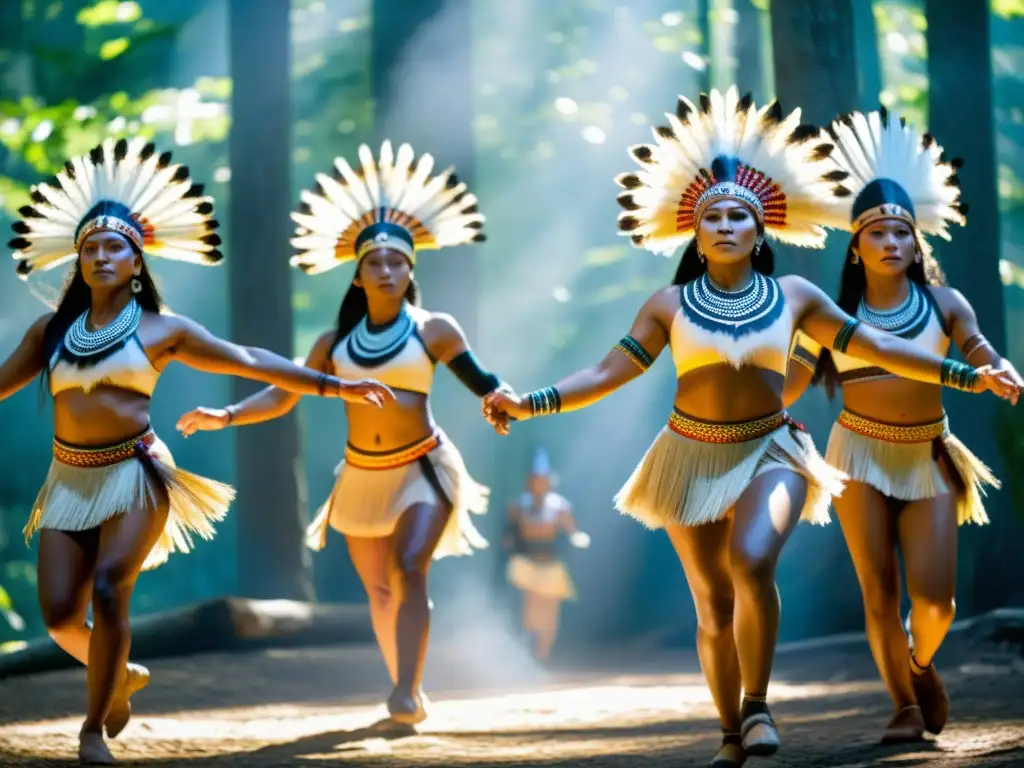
point(267, 404)
point(26, 361)
point(632, 356)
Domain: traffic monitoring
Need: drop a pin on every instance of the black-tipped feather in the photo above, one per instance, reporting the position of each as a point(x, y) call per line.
point(803, 133)
point(682, 111)
point(29, 212)
point(196, 190)
point(628, 223)
point(211, 239)
point(628, 181)
point(21, 227)
point(626, 201)
point(642, 152)
point(147, 151)
point(822, 151)
point(836, 175)
point(120, 150)
point(665, 132)
point(18, 244)
point(23, 269)
point(705, 103)
point(205, 207)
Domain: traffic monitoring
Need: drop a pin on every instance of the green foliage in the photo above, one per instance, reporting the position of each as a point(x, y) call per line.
point(900, 28)
point(1010, 437)
point(1008, 9)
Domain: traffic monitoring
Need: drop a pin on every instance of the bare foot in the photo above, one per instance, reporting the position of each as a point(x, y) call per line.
point(120, 713)
point(92, 750)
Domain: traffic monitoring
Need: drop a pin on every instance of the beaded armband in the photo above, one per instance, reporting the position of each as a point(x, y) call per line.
point(544, 401)
point(631, 348)
point(845, 335)
point(805, 357)
point(957, 375)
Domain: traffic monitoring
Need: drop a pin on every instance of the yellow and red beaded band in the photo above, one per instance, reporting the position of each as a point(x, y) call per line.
point(399, 457)
point(109, 224)
point(894, 433)
point(632, 349)
point(107, 456)
point(884, 211)
point(724, 432)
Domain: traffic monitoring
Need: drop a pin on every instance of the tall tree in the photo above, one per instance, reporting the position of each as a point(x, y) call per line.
point(749, 42)
point(961, 116)
point(270, 511)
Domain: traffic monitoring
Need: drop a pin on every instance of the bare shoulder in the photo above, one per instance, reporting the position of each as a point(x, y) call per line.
point(948, 299)
point(437, 326)
point(663, 303)
point(38, 327)
point(795, 285)
point(324, 341)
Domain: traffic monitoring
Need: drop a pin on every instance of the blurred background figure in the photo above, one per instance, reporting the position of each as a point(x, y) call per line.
point(535, 520)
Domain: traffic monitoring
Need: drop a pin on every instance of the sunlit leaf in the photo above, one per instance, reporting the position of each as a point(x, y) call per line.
point(1008, 9)
point(111, 49)
point(108, 12)
point(12, 645)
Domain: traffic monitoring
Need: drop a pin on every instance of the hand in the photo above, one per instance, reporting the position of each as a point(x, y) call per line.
point(365, 391)
point(203, 420)
point(500, 406)
point(1000, 382)
point(580, 540)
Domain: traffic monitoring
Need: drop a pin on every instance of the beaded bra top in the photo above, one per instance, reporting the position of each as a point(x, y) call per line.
point(394, 354)
point(111, 356)
point(749, 326)
point(918, 317)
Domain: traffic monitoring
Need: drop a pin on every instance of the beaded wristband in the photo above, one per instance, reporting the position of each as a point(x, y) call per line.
point(544, 401)
point(845, 335)
point(957, 375)
point(631, 348)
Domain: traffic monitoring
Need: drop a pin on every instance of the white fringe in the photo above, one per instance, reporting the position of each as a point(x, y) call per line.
point(681, 481)
point(547, 578)
point(82, 498)
point(909, 471)
point(368, 503)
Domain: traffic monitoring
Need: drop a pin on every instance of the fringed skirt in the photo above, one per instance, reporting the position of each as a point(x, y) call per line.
point(696, 470)
point(86, 487)
point(902, 462)
point(544, 577)
point(374, 489)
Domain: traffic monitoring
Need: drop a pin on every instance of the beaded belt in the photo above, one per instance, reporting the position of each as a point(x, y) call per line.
point(894, 433)
point(726, 432)
point(391, 459)
point(108, 456)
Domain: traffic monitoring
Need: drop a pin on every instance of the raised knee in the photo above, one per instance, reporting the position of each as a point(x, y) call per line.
point(936, 610)
point(109, 593)
point(751, 566)
point(61, 616)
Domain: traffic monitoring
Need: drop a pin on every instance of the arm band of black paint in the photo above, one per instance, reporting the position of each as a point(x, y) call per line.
point(845, 335)
point(478, 381)
point(632, 349)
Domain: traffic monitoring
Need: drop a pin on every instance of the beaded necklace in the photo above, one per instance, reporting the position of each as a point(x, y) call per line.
point(907, 320)
point(84, 347)
point(371, 346)
point(752, 308)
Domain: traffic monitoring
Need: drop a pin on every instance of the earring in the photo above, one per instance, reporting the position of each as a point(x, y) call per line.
point(700, 254)
point(757, 245)
point(917, 257)
point(855, 259)
point(136, 285)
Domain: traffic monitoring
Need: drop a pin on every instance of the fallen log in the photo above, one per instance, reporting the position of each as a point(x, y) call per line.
point(220, 624)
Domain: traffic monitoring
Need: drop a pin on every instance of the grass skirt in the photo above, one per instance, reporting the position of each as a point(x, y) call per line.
point(373, 490)
point(696, 471)
point(547, 578)
point(902, 462)
point(86, 487)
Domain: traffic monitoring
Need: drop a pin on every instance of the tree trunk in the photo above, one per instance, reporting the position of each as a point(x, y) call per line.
point(750, 54)
point(270, 511)
point(960, 109)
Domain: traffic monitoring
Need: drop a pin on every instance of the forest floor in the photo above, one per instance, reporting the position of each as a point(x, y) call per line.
point(643, 707)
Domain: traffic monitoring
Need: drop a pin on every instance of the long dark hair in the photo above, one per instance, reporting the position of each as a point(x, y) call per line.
point(691, 265)
point(852, 284)
point(354, 307)
point(76, 299)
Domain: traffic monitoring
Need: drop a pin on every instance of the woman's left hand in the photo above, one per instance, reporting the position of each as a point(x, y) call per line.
point(1004, 383)
point(365, 391)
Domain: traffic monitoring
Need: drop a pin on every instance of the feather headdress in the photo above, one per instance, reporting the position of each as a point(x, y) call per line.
point(124, 187)
point(392, 202)
point(894, 172)
point(728, 148)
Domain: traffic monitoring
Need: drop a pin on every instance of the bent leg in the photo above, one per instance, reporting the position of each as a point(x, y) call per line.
point(869, 527)
point(703, 552)
point(65, 566)
point(374, 562)
point(547, 629)
point(417, 536)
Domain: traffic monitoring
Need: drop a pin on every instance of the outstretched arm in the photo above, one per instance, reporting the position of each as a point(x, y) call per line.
point(26, 361)
point(567, 522)
point(269, 403)
point(633, 355)
point(827, 324)
point(967, 335)
point(447, 343)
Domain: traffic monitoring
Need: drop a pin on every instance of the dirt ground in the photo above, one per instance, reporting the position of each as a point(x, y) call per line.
point(492, 707)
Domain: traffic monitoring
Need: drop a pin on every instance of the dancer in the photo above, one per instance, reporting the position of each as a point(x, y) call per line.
point(114, 503)
point(403, 494)
point(535, 521)
point(911, 481)
point(731, 474)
